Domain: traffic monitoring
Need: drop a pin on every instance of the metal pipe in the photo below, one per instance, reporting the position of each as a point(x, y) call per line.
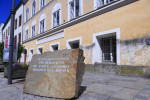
point(11, 43)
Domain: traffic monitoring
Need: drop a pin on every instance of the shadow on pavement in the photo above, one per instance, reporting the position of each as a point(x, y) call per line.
point(82, 89)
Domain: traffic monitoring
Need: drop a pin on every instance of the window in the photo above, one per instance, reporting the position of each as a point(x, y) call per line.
point(33, 31)
point(42, 3)
point(20, 19)
point(56, 15)
point(27, 14)
point(74, 8)
point(42, 26)
point(100, 3)
point(33, 7)
point(74, 44)
point(19, 38)
point(16, 24)
point(56, 18)
point(26, 36)
point(109, 49)
point(54, 47)
point(8, 30)
point(40, 50)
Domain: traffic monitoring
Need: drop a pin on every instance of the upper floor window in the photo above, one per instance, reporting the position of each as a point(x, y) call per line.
point(20, 20)
point(27, 14)
point(56, 15)
point(42, 26)
point(33, 30)
point(26, 32)
point(42, 23)
point(33, 7)
point(26, 36)
point(74, 8)
point(42, 3)
point(16, 24)
point(8, 30)
point(99, 3)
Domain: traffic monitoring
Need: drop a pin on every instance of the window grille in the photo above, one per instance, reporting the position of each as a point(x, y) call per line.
point(109, 49)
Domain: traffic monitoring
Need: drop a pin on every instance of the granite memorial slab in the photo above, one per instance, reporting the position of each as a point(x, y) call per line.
point(55, 74)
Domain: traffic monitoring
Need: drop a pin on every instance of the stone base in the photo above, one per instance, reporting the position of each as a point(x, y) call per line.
point(126, 70)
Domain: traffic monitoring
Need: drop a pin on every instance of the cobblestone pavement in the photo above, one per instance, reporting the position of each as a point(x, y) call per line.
point(94, 87)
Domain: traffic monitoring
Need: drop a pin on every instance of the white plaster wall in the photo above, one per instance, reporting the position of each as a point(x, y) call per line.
point(19, 28)
point(1, 36)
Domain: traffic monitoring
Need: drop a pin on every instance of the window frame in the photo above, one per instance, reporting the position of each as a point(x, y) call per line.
point(27, 14)
point(80, 9)
point(33, 7)
point(54, 44)
point(20, 20)
point(27, 34)
point(41, 47)
point(42, 27)
point(33, 34)
point(104, 2)
point(42, 4)
point(15, 24)
point(56, 10)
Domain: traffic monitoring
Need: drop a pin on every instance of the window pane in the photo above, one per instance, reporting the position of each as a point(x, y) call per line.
point(100, 3)
point(77, 8)
point(71, 10)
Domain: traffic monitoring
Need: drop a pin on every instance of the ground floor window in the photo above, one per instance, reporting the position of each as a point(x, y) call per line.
point(40, 50)
point(109, 49)
point(74, 44)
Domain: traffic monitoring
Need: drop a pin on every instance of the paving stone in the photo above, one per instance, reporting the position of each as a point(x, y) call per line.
point(126, 94)
point(102, 88)
point(141, 97)
point(112, 98)
point(144, 93)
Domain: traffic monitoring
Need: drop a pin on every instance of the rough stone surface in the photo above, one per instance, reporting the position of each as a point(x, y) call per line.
point(55, 74)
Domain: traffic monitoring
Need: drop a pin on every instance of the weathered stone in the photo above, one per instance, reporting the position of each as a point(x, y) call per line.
point(55, 74)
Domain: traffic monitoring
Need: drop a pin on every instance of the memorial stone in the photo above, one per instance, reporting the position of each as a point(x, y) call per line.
point(55, 74)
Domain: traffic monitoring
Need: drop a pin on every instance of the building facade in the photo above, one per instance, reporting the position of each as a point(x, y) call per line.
point(109, 31)
point(18, 24)
point(1, 33)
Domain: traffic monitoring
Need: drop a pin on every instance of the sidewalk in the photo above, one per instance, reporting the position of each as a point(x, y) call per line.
point(94, 87)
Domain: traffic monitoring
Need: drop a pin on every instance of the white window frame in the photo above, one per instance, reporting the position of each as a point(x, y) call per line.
point(57, 7)
point(53, 44)
point(42, 17)
point(74, 39)
point(42, 6)
point(38, 52)
point(80, 9)
point(33, 9)
point(101, 3)
point(27, 13)
point(97, 50)
point(33, 24)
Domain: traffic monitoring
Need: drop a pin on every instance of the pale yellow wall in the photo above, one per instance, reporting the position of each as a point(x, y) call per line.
point(133, 21)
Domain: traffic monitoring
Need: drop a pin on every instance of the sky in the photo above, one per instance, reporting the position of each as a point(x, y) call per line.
point(5, 6)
